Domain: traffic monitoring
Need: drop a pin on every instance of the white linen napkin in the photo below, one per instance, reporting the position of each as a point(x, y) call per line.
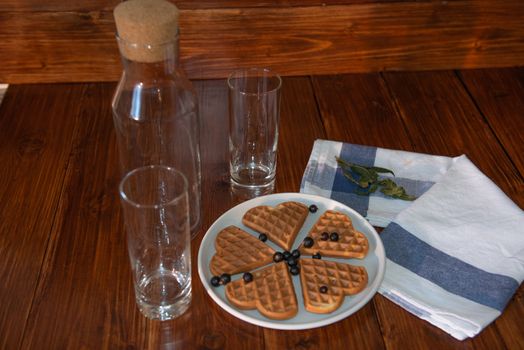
point(455, 256)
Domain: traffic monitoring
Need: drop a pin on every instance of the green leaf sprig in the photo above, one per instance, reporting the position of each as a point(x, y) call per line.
point(367, 178)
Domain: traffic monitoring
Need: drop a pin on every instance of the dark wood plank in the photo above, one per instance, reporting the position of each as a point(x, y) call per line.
point(34, 150)
point(55, 45)
point(358, 331)
point(442, 119)
point(86, 283)
point(26, 6)
point(508, 323)
point(80, 46)
point(69, 283)
point(498, 95)
point(299, 127)
point(99, 5)
point(214, 327)
point(358, 108)
point(85, 295)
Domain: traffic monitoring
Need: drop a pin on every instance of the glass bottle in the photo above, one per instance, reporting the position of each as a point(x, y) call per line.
point(155, 113)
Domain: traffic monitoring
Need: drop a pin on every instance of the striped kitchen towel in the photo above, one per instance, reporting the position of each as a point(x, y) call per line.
point(414, 171)
point(455, 255)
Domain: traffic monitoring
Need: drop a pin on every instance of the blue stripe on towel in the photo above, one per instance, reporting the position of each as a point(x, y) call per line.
point(344, 190)
point(332, 179)
point(448, 272)
point(318, 174)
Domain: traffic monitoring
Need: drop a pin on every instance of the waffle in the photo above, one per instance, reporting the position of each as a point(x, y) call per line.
point(238, 251)
point(271, 292)
point(281, 223)
point(351, 243)
point(338, 279)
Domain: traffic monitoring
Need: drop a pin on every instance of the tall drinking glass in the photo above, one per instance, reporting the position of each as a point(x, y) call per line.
point(254, 113)
point(156, 213)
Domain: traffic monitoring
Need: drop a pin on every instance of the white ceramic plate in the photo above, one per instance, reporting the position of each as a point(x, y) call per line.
point(374, 262)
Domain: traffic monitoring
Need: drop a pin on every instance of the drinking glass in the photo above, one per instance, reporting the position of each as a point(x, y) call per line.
point(156, 214)
point(254, 113)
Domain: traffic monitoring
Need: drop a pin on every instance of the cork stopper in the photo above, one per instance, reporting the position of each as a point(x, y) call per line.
point(144, 25)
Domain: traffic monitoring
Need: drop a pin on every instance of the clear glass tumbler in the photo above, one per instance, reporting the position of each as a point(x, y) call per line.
point(156, 213)
point(254, 113)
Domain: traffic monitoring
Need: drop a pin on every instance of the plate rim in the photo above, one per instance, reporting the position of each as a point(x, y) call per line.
point(380, 252)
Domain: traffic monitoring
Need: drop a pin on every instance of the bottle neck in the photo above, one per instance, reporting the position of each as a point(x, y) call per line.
point(149, 61)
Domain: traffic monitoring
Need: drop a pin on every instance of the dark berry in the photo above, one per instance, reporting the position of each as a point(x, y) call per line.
point(225, 278)
point(247, 277)
point(295, 253)
point(333, 236)
point(278, 257)
point(324, 236)
point(291, 261)
point(308, 242)
point(215, 281)
point(313, 208)
point(323, 289)
point(262, 237)
point(317, 256)
point(294, 270)
point(287, 254)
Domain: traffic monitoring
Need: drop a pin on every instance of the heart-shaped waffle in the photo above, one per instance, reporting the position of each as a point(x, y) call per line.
point(238, 251)
point(271, 292)
point(350, 243)
point(281, 223)
point(326, 283)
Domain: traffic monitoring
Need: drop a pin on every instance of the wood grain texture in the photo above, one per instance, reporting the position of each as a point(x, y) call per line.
point(64, 266)
point(98, 5)
point(213, 327)
point(300, 126)
point(85, 295)
point(299, 122)
point(86, 283)
point(442, 119)
point(358, 108)
point(498, 95)
point(80, 45)
point(506, 325)
point(413, 111)
point(34, 150)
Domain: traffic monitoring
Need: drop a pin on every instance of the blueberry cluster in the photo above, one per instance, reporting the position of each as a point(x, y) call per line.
point(225, 278)
point(331, 237)
point(291, 259)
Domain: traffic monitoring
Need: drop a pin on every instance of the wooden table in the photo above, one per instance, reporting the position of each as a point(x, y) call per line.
point(66, 282)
